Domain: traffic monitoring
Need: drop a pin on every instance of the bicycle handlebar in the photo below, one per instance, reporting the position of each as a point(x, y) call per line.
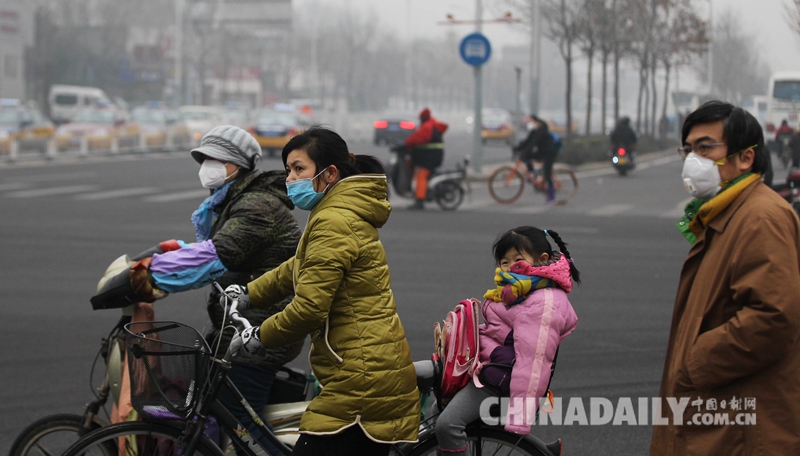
point(233, 312)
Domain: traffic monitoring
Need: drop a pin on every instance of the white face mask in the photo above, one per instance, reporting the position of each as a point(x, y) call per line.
point(701, 177)
point(213, 173)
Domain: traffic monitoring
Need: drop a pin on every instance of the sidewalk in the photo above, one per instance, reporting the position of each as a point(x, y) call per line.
point(488, 169)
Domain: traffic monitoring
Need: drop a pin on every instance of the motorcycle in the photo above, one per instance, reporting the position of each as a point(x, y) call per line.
point(446, 188)
point(790, 190)
point(623, 160)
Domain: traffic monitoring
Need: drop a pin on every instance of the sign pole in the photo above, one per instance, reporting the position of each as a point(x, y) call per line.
point(475, 50)
point(477, 123)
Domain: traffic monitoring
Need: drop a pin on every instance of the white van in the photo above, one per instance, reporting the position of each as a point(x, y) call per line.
point(66, 100)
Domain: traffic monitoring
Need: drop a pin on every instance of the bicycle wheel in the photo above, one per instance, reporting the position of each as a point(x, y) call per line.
point(493, 442)
point(48, 436)
point(566, 185)
point(506, 185)
point(142, 439)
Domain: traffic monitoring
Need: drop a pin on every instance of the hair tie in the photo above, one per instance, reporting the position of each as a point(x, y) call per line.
point(570, 260)
point(546, 233)
point(352, 159)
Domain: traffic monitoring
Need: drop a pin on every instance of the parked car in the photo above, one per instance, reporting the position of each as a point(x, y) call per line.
point(497, 124)
point(158, 123)
point(24, 122)
point(201, 119)
point(66, 100)
point(393, 128)
point(273, 129)
point(99, 125)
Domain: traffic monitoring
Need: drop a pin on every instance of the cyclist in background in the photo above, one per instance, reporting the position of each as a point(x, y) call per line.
point(427, 153)
point(540, 145)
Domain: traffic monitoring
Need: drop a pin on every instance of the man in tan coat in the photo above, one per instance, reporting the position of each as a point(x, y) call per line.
point(733, 346)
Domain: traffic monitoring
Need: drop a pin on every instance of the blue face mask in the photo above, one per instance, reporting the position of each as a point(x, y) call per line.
point(302, 193)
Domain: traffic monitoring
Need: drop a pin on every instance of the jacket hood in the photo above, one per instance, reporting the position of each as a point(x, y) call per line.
point(556, 269)
point(273, 182)
point(362, 194)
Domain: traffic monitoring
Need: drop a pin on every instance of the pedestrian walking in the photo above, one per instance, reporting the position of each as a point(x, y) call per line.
point(736, 320)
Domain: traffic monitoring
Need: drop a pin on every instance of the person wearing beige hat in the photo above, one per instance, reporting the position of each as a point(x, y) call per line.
point(244, 228)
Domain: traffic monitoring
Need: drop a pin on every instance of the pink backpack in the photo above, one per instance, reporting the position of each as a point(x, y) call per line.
point(457, 348)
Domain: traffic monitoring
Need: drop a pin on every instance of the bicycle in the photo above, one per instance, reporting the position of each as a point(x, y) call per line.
point(507, 182)
point(52, 434)
point(174, 359)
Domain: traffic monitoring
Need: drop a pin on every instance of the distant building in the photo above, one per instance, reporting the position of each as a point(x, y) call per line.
point(16, 31)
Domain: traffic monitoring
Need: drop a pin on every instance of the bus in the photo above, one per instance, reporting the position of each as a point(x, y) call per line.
point(783, 100)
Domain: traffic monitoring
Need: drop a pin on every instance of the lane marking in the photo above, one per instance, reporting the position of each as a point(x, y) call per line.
point(121, 193)
point(51, 191)
point(677, 211)
point(13, 186)
point(190, 194)
point(610, 209)
point(53, 177)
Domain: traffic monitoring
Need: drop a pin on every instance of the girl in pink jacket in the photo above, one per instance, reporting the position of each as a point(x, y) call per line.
point(525, 319)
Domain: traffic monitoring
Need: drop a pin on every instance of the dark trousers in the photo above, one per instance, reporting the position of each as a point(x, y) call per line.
point(254, 383)
point(351, 441)
point(547, 167)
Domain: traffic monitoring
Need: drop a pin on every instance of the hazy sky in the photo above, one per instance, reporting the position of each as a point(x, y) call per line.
point(762, 18)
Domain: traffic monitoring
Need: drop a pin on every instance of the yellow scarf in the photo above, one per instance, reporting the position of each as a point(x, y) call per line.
point(715, 205)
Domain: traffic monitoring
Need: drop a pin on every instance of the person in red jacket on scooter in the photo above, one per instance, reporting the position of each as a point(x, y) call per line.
point(427, 153)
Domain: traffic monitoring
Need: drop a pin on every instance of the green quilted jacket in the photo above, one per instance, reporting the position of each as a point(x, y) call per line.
point(343, 297)
point(254, 231)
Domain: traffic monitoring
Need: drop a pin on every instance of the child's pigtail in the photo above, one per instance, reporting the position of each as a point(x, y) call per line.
point(562, 246)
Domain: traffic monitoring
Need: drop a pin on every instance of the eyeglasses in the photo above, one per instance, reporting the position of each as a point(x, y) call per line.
point(701, 149)
point(704, 149)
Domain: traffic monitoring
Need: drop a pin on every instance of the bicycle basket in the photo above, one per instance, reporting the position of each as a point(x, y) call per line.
point(168, 363)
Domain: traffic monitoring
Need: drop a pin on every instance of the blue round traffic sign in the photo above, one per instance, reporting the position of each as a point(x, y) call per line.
point(475, 49)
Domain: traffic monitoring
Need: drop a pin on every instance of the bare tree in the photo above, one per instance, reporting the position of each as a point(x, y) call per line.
point(737, 68)
point(589, 25)
point(562, 18)
point(606, 24)
point(792, 15)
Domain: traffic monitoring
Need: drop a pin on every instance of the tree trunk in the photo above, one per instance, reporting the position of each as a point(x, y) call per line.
point(616, 86)
point(667, 68)
point(603, 94)
point(589, 94)
point(646, 106)
point(568, 61)
point(639, 101)
point(655, 99)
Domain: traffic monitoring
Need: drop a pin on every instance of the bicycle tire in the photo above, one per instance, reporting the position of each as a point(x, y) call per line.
point(102, 440)
point(493, 442)
point(49, 435)
point(566, 184)
point(506, 184)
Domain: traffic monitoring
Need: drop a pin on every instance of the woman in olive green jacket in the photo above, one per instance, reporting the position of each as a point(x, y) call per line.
point(342, 296)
